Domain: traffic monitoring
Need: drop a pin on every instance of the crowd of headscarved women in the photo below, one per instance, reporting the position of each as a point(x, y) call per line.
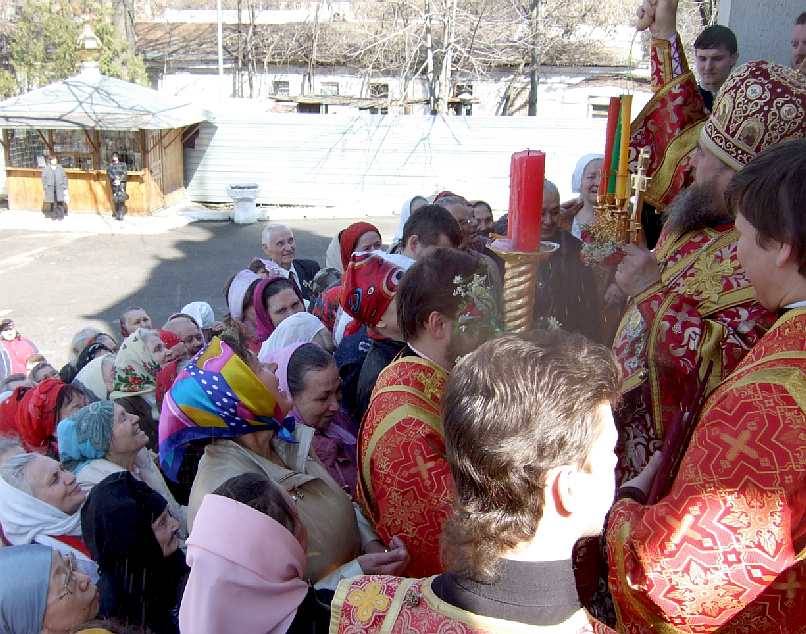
point(139, 484)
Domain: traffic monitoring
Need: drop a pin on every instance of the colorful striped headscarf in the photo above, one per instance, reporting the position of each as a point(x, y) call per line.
point(217, 395)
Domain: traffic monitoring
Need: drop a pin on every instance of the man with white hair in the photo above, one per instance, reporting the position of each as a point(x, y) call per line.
point(279, 245)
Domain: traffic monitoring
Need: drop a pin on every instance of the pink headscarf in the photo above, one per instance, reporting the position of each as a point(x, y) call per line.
point(264, 326)
point(245, 572)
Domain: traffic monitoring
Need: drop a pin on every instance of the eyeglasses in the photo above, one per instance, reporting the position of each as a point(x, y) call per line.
point(70, 576)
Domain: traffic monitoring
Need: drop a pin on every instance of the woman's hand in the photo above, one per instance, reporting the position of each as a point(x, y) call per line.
point(389, 562)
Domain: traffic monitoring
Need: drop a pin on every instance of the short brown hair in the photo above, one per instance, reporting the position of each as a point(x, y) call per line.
point(430, 222)
point(513, 409)
point(801, 20)
point(427, 287)
point(770, 192)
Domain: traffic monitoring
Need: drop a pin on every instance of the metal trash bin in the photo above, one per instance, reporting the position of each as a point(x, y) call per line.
point(244, 196)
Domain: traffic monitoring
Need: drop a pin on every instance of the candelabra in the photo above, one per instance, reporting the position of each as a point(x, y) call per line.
point(615, 219)
point(520, 283)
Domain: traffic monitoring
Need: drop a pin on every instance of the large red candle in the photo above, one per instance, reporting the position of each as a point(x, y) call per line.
point(613, 111)
point(529, 169)
point(514, 188)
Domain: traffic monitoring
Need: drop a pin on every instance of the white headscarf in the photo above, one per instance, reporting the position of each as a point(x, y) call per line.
point(92, 377)
point(29, 520)
point(333, 255)
point(405, 213)
point(237, 292)
point(298, 328)
point(576, 179)
point(201, 312)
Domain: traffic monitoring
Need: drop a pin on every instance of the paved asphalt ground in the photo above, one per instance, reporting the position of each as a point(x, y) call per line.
point(54, 283)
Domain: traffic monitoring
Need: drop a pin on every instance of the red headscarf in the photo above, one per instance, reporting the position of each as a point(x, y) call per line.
point(264, 326)
point(169, 338)
point(326, 308)
point(370, 284)
point(8, 411)
point(348, 238)
point(36, 415)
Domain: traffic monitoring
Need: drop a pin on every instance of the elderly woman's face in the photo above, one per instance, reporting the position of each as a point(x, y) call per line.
point(157, 349)
point(72, 597)
point(318, 402)
point(54, 485)
point(590, 181)
point(165, 528)
point(127, 437)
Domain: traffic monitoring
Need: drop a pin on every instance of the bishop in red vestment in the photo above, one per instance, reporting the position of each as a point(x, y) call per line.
point(692, 316)
point(724, 549)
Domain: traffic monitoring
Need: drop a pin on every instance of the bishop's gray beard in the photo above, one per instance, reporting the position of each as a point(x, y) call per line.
point(696, 207)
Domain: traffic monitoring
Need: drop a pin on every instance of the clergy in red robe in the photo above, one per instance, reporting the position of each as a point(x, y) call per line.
point(724, 549)
point(445, 310)
point(692, 316)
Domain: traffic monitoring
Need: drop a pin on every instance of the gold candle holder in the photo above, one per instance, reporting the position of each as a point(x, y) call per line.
point(520, 285)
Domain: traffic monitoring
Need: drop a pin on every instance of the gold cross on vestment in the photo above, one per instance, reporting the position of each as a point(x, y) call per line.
point(423, 466)
point(432, 384)
point(792, 584)
point(681, 529)
point(739, 446)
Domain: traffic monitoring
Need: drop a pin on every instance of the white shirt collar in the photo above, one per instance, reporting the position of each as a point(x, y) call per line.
point(800, 304)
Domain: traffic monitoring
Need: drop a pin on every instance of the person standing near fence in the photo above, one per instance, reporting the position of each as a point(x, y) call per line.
point(54, 185)
point(117, 173)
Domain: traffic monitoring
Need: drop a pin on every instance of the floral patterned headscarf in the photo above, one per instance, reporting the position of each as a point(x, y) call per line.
point(135, 368)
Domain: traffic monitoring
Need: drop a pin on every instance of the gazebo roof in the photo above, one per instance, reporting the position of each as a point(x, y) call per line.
point(90, 100)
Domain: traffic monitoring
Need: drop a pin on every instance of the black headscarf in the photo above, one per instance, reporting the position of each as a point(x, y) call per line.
point(89, 353)
point(138, 584)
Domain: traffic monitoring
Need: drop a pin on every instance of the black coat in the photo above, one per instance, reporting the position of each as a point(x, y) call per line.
point(567, 291)
point(305, 270)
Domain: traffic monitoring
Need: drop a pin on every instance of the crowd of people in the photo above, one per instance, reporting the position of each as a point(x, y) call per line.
point(361, 448)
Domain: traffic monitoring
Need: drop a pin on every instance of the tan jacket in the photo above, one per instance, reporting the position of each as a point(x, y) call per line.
point(327, 512)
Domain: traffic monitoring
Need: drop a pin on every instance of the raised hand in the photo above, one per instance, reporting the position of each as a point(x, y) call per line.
point(659, 16)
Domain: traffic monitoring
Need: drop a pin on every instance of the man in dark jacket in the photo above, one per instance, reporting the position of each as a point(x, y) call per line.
point(117, 172)
point(54, 186)
point(279, 246)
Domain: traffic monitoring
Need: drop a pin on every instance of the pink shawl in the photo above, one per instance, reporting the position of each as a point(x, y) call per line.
point(245, 572)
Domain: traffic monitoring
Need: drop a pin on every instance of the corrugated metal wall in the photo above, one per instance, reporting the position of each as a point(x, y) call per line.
point(373, 163)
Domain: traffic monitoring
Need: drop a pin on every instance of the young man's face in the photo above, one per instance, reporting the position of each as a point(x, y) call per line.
point(798, 45)
point(714, 66)
point(758, 262)
point(600, 468)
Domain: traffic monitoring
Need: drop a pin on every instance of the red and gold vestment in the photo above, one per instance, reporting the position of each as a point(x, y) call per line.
point(396, 605)
point(405, 485)
point(724, 549)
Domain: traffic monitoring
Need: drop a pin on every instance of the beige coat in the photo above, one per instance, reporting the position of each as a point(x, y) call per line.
point(337, 532)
